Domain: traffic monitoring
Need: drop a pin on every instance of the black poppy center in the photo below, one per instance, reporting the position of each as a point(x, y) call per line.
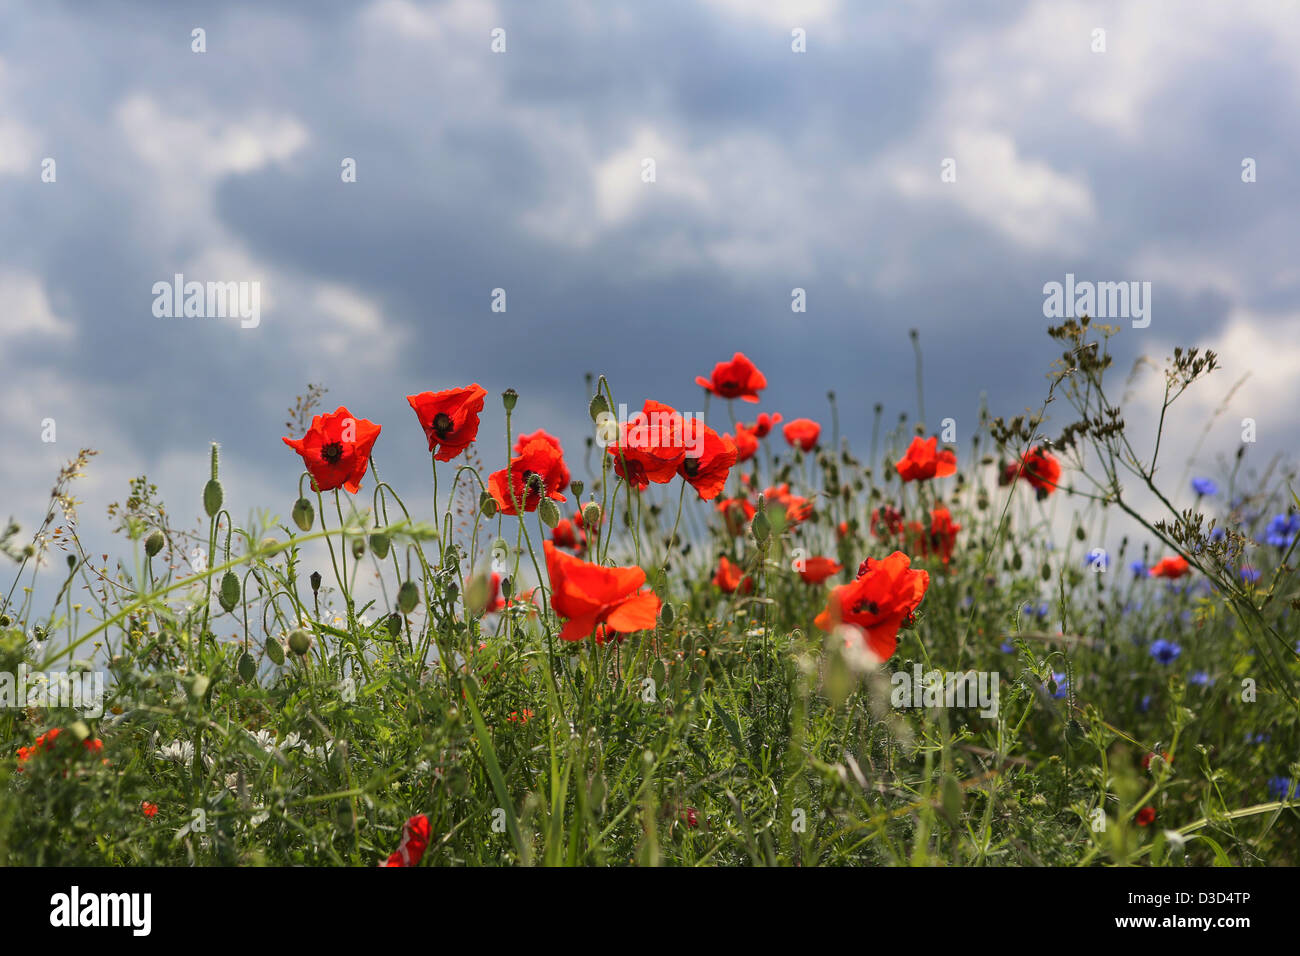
point(332, 452)
point(692, 466)
point(533, 482)
point(442, 424)
point(870, 607)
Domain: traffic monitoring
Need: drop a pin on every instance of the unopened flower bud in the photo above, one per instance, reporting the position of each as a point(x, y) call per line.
point(229, 595)
point(408, 595)
point(212, 497)
point(591, 517)
point(299, 642)
point(549, 512)
point(304, 515)
point(275, 650)
point(598, 407)
point(358, 548)
point(577, 487)
point(487, 505)
point(379, 543)
point(315, 581)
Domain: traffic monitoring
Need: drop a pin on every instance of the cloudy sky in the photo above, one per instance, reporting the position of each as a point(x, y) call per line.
point(522, 170)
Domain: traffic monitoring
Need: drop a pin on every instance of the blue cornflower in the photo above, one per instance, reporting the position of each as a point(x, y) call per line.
point(1282, 530)
point(1138, 568)
point(1165, 651)
point(1097, 560)
point(1258, 738)
point(1204, 486)
point(1217, 534)
point(1281, 788)
point(1200, 679)
point(1250, 575)
point(1007, 648)
point(1145, 703)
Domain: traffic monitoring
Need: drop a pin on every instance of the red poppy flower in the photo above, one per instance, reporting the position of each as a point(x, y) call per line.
point(536, 472)
point(798, 509)
point(589, 595)
point(336, 450)
point(738, 378)
point(764, 424)
point(943, 534)
point(746, 443)
point(150, 810)
point(878, 602)
point(729, 578)
point(817, 570)
point(737, 513)
point(1146, 816)
point(651, 444)
point(415, 840)
point(841, 530)
point(565, 534)
point(1174, 567)
point(449, 418)
point(541, 435)
point(886, 521)
point(1036, 466)
point(802, 433)
point(923, 461)
point(707, 472)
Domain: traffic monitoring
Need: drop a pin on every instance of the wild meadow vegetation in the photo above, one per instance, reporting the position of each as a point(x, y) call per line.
point(676, 647)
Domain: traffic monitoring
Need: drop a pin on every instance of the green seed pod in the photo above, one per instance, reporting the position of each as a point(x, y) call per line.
point(394, 624)
point(379, 543)
point(358, 548)
point(154, 543)
point(549, 512)
point(212, 497)
point(508, 398)
point(304, 515)
point(408, 595)
point(315, 581)
point(591, 517)
point(577, 487)
point(229, 595)
point(247, 667)
point(299, 641)
point(275, 650)
point(666, 613)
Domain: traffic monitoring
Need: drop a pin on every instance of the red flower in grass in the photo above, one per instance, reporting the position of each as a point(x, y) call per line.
point(1174, 567)
point(706, 472)
point(802, 433)
point(1038, 467)
point(536, 472)
point(746, 442)
point(590, 595)
point(449, 418)
point(729, 578)
point(336, 450)
point(568, 535)
point(150, 810)
point(737, 513)
point(924, 461)
point(878, 603)
point(415, 840)
point(817, 570)
point(1146, 816)
point(764, 424)
point(738, 378)
point(651, 444)
point(522, 441)
point(886, 522)
point(942, 538)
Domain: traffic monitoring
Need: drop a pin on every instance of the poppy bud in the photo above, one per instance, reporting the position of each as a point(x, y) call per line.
point(762, 527)
point(247, 667)
point(666, 613)
point(358, 547)
point(549, 512)
point(315, 581)
point(275, 650)
point(598, 407)
point(487, 505)
point(394, 624)
point(212, 497)
point(229, 596)
point(379, 543)
point(304, 515)
point(507, 588)
point(407, 597)
point(591, 517)
point(1047, 571)
point(509, 397)
point(299, 641)
point(577, 487)
point(154, 543)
